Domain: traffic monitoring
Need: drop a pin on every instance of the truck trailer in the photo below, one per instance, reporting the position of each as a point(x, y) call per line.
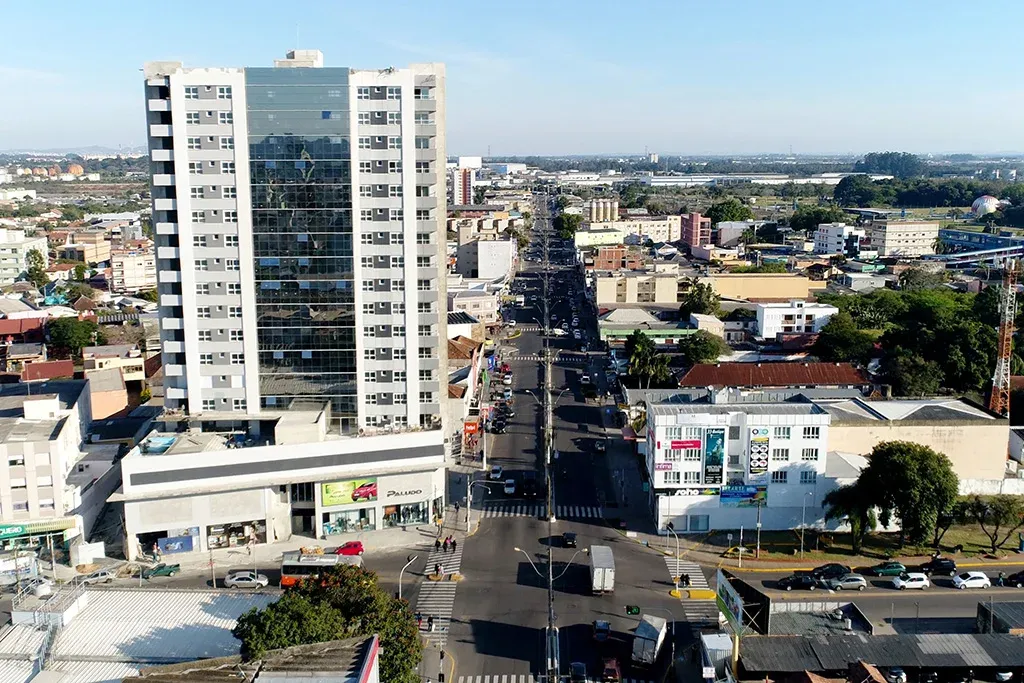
point(602, 569)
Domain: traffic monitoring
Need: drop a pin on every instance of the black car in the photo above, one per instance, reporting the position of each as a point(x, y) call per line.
point(939, 565)
point(1015, 580)
point(798, 581)
point(832, 570)
point(568, 540)
point(498, 428)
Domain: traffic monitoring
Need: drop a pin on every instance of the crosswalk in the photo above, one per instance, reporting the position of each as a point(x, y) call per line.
point(436, 598)
point(564, 357)
point(524, 678)
point(492, 510)
point(694, 611)
point(527, 328)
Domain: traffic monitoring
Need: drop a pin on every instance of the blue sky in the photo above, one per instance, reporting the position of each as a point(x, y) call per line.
point(561, 76)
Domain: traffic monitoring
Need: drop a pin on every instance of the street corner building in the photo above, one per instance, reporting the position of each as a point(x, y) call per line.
point(299, 217)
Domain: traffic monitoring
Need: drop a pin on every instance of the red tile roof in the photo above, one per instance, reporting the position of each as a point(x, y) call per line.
point(462, 348)
point(455, 391)
point(20, 326)
point(773, 375)
point(50, 369)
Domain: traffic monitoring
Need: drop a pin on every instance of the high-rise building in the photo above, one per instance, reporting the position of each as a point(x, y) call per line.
point(462, 180)
point(299, 216)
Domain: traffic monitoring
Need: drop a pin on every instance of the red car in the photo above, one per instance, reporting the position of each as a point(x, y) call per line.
point(367, 491)
point(350, 548)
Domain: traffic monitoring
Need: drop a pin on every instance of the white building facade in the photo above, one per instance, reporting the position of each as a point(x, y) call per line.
point(795, 317)
point(838, 238)
point(132, 271)
point(904, 238)
point(15, 246)
point(723, 466)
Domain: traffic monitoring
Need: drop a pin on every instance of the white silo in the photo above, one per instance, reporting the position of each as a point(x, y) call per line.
point(614, 211)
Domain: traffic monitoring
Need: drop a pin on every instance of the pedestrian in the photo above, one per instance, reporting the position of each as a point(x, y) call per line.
point(430, 624)
point(437, 544)
point(456, 508)
point(453, 546)
point(419, 620)
point(437, 569)
point(686, 580)
point(444, 546)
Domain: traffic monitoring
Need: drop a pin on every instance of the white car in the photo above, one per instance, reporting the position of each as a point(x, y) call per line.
point(507, 380)
point(495, 474)
point(510, 323)
point(972, 580)
point(911, 580)
point(558, 332)
point(100, 576)
point(245, 578)
point(510, 487)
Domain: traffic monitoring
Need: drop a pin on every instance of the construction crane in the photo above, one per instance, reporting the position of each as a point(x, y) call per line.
point(999, 399)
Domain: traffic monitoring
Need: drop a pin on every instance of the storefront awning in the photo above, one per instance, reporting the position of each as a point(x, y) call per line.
point(35, 528)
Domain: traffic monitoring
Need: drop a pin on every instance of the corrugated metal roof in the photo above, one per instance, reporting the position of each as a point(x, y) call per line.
point(772, 375)
point(20, 641)
point(156, 626)
point(93, 672)
point(16, 671)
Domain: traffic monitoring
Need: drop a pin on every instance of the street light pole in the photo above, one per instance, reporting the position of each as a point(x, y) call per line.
point(469, 502)
point(803, 520)
point(675, 574)
point(412, 558)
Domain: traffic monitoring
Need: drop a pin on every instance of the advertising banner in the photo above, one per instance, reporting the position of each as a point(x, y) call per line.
point(714, 455)
point(348, 491)
point(696, 492)
point(471, 427)
point(758, 456)
point(729, 601)
point(689, 443)
point(744, 496)
point(662, 467)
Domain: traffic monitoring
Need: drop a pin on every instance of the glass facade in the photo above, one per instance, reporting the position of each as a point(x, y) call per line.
point(299, 142)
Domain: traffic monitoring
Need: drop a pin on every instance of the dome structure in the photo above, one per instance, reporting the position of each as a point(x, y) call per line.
point(984, 204)
point(75, 169)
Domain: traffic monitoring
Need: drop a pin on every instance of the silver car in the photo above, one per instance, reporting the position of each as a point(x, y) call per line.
point(100, 576)
point(850, 582)
point(245, 579)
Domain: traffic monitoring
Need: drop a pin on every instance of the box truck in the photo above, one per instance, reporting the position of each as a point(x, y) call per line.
point(602, 569)
point(647, 639)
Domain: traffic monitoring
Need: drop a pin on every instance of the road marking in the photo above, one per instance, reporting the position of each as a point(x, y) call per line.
point(694, 610)
point(504, 678)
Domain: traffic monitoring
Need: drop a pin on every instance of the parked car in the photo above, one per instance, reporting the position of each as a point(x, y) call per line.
point(833, 570)
point(245, 578)
point(576, 335)
point(161, 570)
point(800, 581)
point(850, 582)
point(1016, 579)
point(498, 428)
point(105, 575)
point(972, 580)
point(896, 675)
point(600, 446)
point(907, 580)
point(40, 585)
point(510, 487)
point(350, 548)
point(510, 323)
point(568, 540)
point(602, 631)
point(495, 473)
point(939, 565)
point(610, 671)
point(367, 491)
point(577, 672)
point(888, 569)
point(507, 380)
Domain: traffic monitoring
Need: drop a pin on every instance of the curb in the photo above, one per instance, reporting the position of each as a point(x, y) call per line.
point(972, 565)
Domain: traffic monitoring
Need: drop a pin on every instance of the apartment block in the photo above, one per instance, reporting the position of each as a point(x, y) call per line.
point(696, 230)
point(88, 246)
point(299, 217)
point(838, 238)
point(132, 271)
point(617, 257)
point(794, 317)
point(903, 238)
point(15, 246)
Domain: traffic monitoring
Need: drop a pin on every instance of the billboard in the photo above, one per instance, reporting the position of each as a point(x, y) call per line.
point(758, 455)
point(744, 496)
point(688, 443)
point(348, 491)
point(729, 601)
point(714, 455)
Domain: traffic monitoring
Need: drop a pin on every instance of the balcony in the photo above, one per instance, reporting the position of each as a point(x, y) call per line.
point(426, 202)
point(164, 228)
point(162, 155)
point(425, 105)
point(172, 323)
point(174, 370)
point(426, 129)
point(176, 393)
point(173, 347)
point(165, 204)
point(168, 276)
point(159, 105)
point(167, 252)
point(160, 130)
point(426, 155)
point(163, 180)
point(170, 299)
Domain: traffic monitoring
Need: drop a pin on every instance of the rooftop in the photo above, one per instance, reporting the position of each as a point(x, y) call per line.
point(773, 375)
point(927, 409)
point(108, 379)
point(111, 351)
point(461, 318)
point(807, 408)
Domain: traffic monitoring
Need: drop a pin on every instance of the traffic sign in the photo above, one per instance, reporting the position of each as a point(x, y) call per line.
point(632, 610)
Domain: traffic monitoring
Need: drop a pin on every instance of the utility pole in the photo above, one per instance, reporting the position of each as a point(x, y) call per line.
point(757, 552)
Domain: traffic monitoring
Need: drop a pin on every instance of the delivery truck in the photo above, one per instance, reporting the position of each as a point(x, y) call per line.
point(602, 569)
point(647, 639)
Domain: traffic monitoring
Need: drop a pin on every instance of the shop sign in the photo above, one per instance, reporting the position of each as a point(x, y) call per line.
point(348, 491)
point(11, 530)
point(696, 492)
point(49, 526)
point(662, 467)
point(472, 427)
point(744, 496)
point(758, 456)
point(714, 455)
point(688, 443)
point(398, 494)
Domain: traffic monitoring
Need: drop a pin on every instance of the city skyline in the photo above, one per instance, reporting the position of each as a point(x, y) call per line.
point(568, 79)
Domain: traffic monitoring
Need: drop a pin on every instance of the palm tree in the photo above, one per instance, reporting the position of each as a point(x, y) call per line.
point(851, 502)
point(659, 370)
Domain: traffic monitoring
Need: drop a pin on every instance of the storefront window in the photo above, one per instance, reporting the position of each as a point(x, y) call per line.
point(349, 521)
point(410, 513)
point(237, 534)
point(437, 507)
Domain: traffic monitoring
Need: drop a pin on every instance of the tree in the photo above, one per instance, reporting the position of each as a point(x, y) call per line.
point(566, 224)
point(78, 289)
point(913, 279)
point(958, 514)
point(912, 483)
point(702, 347)
point(36, 268)
point(700, 298)
point(646, 365)
point(730, 209)
point(899, 164)
point(80, 271)
point(749, 236)
point(808, 218)
point(149, 295)
point(911, 375)
point(69, 335)
point(853, 504)
point(344, 602)
point(478, 195)
point(840, 340)
point(997, 514)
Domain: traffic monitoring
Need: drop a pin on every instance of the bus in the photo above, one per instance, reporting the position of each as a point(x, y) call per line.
point(295, 566)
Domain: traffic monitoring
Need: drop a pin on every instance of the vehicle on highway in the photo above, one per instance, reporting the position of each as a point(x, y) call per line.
point(568, 540)
point(161, 570)
point(578, 672)
point(576, 335)
point(245, 578)
point(850, 582)
point(584, 379)
point(602, 569)
point(105, 575)
point(350, 548)
point(507, 394)
point(558, 332)
point(887, 569)
point(495, 473)
point(972, 580)
point(498, 428)
point(939, 565)
point(610, 671)
point(907, 580)
point(602, 631)
point(510, 487)
point(832, 570)
point(648, 637)
point(800, 581)
point(296, 566)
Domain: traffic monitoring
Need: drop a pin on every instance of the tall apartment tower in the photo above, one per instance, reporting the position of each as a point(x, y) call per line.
point(299, 213)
